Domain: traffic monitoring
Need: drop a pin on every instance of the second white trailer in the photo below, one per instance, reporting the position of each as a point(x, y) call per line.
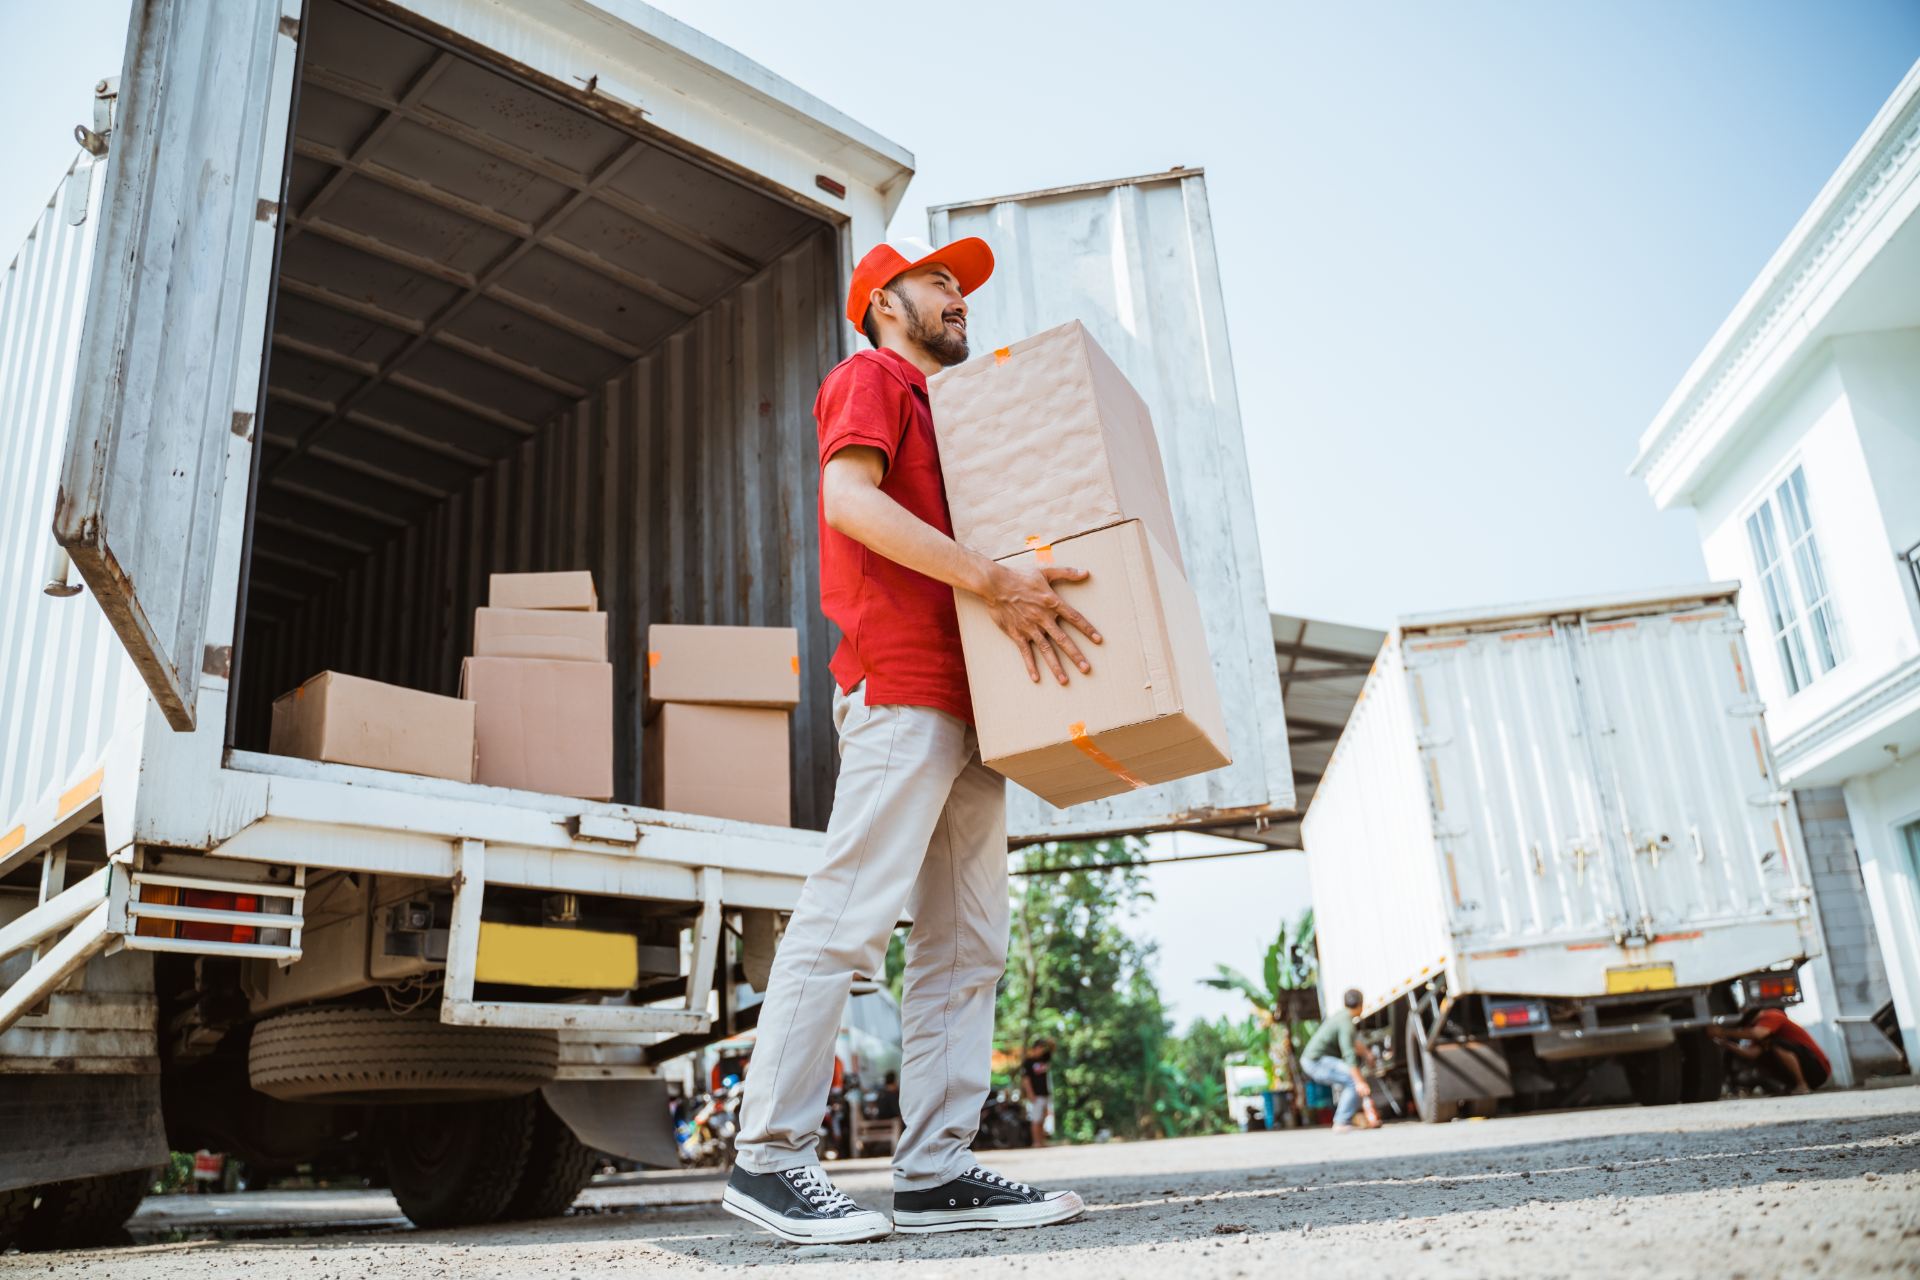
point(1552, 835)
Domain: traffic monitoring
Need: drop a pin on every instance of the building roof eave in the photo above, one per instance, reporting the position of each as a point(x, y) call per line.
point(1717, 385)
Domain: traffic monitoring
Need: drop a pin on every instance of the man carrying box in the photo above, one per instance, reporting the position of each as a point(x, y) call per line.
point(918, 823)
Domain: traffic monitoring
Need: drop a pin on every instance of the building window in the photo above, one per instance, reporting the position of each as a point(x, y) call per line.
point(1800, 614)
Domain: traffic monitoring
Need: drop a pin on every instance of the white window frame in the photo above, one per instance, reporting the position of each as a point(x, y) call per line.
point(1796, 595)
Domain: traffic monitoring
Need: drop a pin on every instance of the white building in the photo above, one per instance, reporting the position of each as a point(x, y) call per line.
point(1795, 439)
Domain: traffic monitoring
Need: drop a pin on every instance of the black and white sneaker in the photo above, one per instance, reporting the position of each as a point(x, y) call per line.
point(979, 1200)
point(801, 1205)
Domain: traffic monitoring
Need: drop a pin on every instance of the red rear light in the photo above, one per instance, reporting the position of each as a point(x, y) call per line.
point(1769, 986)
point(218, 902)
point(1517, 1015)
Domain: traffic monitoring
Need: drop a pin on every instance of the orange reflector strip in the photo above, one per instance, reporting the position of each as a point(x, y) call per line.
point(1002, 355)
point(81, 792)
point(1698, 617)
point(1080, 739)
point(1528, 635)
point(1781, 837)
point(1438, 644)
point(1586, 946)
point(12, 840)
point(1739, 668)
point(1614, 626)
point(1759, 752)
point(1679, 937)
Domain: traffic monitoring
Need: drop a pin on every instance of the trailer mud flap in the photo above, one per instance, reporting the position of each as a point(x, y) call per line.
point(1469, 1070)
point(61, 1127)
point(620, 1117)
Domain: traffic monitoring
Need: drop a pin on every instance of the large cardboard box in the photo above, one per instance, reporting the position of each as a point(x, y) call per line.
point(542, 725)
point(1148, 713)
point(1044, 440)
point(571, 589)
point(725, 666)
point(568, 634)
point(348, 720)
point(724, 762)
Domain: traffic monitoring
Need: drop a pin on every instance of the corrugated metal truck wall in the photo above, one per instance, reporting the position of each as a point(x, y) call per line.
point(687, 484)
point(65, 673)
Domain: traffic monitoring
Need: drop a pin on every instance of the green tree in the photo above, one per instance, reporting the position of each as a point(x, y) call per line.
point(1076, 976)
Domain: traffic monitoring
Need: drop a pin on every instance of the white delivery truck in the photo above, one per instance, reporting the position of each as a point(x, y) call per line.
point(346, 304)
point(1552, 836)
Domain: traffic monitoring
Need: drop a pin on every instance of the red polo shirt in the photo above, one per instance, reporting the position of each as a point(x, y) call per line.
point(900, 632)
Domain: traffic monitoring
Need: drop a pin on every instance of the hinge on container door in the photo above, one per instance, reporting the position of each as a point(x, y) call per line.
point(93, 141)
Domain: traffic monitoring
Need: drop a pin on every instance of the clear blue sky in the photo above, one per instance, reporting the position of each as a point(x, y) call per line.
point(1469, 248)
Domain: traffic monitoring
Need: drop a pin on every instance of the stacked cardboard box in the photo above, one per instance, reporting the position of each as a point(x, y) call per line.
point(717, 737)
point(541, 686)
point(1056, 408)
point(345, 719)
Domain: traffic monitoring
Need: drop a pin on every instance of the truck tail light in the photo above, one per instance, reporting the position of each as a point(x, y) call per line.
point(1509, 1017)
point(1766, 988)
point(194, 930)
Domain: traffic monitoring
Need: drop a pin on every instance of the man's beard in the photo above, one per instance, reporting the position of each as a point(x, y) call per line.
point(936, 340)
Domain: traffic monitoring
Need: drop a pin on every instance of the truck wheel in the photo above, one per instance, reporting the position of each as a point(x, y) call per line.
point(455, 1164)
point(370, 1055)
point(1703, 1071)
point(558, 1166)
point(15, 1207)
point(85, 1211)
point(1655, 1076)
point(1420, 1083)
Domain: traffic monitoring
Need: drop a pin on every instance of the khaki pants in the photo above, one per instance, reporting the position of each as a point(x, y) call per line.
point(918, 824)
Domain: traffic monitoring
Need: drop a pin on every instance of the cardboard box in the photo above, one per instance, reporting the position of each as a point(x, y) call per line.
point(542, 724)
point(567, 634)
point(1046, 440)
point(572, 589)
point(347, 720)
point(724, 762)
point(1148, 713)
point(724, 666)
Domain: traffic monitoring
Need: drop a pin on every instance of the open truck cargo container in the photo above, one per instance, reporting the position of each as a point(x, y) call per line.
point(1552, 836)
point(344, 307)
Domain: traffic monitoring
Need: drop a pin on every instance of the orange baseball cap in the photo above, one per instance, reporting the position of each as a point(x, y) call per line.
point(970, 261)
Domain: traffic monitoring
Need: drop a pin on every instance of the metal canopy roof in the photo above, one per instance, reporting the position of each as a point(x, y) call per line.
point(464, 257)
point(1323, 666)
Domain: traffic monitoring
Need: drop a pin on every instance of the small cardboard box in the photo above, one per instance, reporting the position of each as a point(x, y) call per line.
point(1148, 713)
point(572, 589)
point(1044, 440)
point(347, 720)
point(567, 634)
point(724, 762)
point(542, 724)
point(723, 666)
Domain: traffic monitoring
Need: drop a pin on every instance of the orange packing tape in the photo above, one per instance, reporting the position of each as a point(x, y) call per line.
point(1002, 355)
point(1080, 739)
point(1042, 551)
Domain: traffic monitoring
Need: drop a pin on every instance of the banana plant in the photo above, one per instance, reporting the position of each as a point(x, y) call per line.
point(1287, 990)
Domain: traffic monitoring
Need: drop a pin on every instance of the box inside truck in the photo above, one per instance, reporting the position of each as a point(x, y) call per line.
point(509, 334)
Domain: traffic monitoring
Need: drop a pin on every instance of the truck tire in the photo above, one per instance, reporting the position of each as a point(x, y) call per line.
point(558, 1166)
point(1420, 1084)
point(370, 1055)
point(1655, 1076)
point(15, 1208)
point(1703, 1070)
point(454, 1164)
point(85, 1211)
